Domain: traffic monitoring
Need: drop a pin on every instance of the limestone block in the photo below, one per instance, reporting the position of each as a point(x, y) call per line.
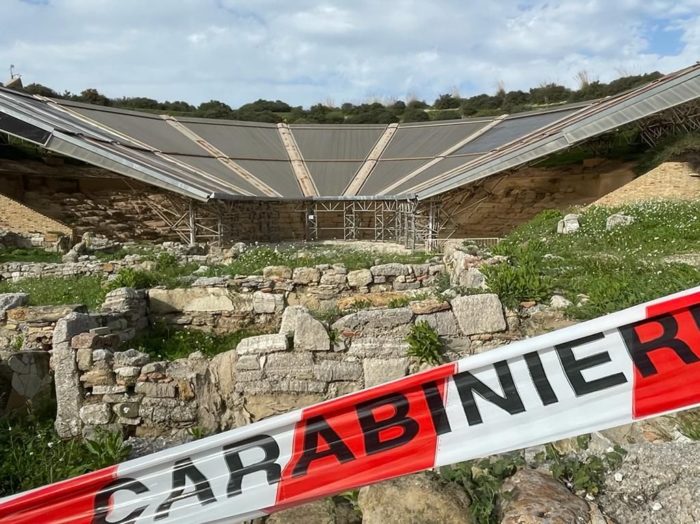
point(262, 344)
point(108, 390)
point(472, 278)
point(306, 275)
point(428, 306)
point(277, 272)
point(126, 409)
point(84, 359)
point(569, 224)
point(333, 371)
point(97, 377)
point(267, 303)
point(197, 300)
point(310, 334)
point(96, 414)
point(422, 497)
point(290, 318)
point(444, 322)
point(391, 322)
point(296, 365)
point(360, 278)
point(248, 363)
point(156, 390)
point(379, 371)
point(405, 286)
point(130, 357)
point(390, 270)
point(479, 314)
point(377, 347)
point(613, 221)
point(334, 278)
point(12, 300)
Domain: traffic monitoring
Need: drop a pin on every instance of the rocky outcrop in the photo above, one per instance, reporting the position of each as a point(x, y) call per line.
point(420, 498)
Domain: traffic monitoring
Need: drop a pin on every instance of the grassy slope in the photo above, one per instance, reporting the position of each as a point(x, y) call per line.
point(614, 269)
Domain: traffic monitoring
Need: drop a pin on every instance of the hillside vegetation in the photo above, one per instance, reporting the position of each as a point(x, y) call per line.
point(445, 107)
point(602, 271)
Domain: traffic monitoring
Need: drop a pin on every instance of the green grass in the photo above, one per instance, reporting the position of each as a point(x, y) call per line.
point(165, 342)
point(167, 272)
point(253, 261)
point(33, 455)
point(49, 291)
point(28, 255)
point(615, 269)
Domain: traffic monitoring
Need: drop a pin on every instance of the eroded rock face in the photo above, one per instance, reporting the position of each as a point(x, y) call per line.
point(479, 314)
point(384, 322)
point(657, 484)
point(420, 498)
point(12, 300)
point(534, 497)
point(317, 512)
point(569, 224)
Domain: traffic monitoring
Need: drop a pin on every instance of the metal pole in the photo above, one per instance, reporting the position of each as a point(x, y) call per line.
point(193, 223)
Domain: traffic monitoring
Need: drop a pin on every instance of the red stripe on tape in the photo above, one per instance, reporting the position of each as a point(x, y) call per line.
point(366, 437)
point(69, 502)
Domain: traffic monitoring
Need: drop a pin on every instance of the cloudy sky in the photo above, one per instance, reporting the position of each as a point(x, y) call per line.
point(308, 51)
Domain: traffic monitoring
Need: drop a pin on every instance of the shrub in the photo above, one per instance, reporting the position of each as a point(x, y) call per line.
point(28, 255)
point(424, 344)
point(482, 480)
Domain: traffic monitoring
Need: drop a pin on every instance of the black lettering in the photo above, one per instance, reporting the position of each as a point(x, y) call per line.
point(184, 469)
point(639, 351)
point(539, 379)
point(372, 428)
point(232, 455)
point(316, 428)
point(102, 501)
point(574, 368)
point(437, 408)
point(467, 384)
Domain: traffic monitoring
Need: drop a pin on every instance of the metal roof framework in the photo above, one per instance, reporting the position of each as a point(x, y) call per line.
point(396, 173)
point(209, 159)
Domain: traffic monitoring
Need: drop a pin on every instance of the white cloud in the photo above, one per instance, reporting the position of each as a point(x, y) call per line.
point(349, 50)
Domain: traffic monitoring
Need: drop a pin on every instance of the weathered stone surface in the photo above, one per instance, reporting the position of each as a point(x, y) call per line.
point(375, 347)
point(210, 282)
point(95, 414)
point(472, 278)
point(130, 357)
point(559, 302)
point(317, 512)
point(156, 390)
point(262, 344)
point(360, 278)
point(306, 275)
point(428, 306)
point(535, 496)
point(269, 303)
point(12, 300)
point(391, 322)
point(618, 220)
point(290, 317)
point(479, 314)
point(197, 300)
point(333, 371)
point(108, 390)
point(277, 272)
point(658, 483)
point(390, 270)
point(43, 314)
point(261, 406)
point(405, 286)
point(310, 334)
point(444, 322)
point(419, 498)
point(334, 278)
point(248, 363)
point(379, 371)
point(126, 409)
point(296, 364)
point(569, 224)
point(83, 358)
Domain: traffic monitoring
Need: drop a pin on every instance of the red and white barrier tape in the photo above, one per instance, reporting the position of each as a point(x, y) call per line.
point(630, 365)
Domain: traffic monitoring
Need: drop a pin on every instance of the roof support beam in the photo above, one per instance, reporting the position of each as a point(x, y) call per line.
point(442, 155)
point(301, 171)
point(221, 157)
point(366, 170)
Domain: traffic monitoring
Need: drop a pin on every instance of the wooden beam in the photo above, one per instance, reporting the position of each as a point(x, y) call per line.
point(365, 171)
point(301, 170)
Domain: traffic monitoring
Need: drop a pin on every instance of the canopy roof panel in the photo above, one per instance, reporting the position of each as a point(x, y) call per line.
point(204, 158)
